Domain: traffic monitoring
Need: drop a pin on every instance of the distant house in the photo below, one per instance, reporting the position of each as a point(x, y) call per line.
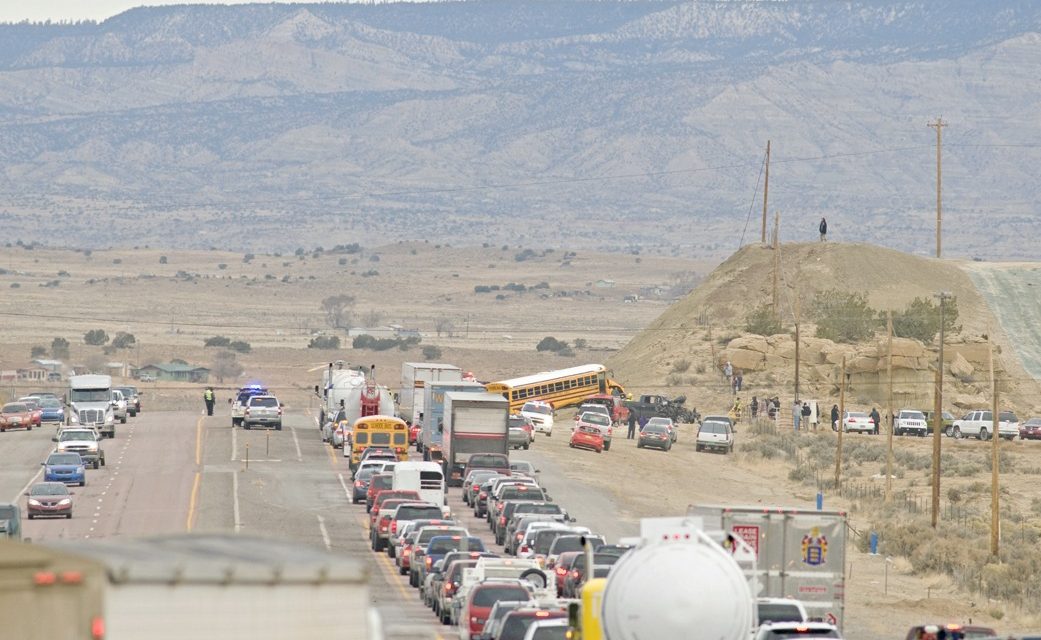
point(32, 372)
point(53, 366)
point(175, 371)
point(605, 284)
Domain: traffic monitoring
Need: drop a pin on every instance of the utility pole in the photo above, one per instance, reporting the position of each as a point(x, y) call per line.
point(889, 408)
point(777, 263)
point(841, 425)
point(938, 125)
point(766, 191)
point(938, 413)
point(995, 517)
point(798, 312)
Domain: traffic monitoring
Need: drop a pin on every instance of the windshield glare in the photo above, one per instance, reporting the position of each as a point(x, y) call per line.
point(90, 395)
point(537, 408)
point(63, 458)
point(49, 489)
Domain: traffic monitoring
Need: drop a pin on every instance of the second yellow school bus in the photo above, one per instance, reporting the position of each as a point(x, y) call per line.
point(379, 431)
point(560, 388)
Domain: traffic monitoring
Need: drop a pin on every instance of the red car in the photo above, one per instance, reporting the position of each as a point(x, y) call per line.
point(16, 415)
point(587, 437)
point(1030, 430)
point(563, 564)
point(378, 482)
point(483, 596)
point(34, 406)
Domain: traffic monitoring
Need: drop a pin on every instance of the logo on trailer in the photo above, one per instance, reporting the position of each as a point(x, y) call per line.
point(814, 548)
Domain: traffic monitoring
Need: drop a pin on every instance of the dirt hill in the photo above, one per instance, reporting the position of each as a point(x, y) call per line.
point(680, 352)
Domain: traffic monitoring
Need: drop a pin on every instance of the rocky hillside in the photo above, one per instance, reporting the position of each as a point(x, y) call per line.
point(685, 347)
point(620, 124)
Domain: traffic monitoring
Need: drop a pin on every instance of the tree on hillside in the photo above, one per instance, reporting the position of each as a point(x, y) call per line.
point(37, 351)
point(338, 310)
point(921, 319)
point(843, 317)
point(216, 341)
point(59, 348)
point(96, 337)
point(124, 340)
point(763, 321)
point(226, 365)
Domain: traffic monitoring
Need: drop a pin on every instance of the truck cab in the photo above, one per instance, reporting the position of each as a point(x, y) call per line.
point(90, 404)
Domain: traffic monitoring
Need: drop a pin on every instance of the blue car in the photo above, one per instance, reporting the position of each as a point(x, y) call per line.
point(52, 410)
point(65, 467)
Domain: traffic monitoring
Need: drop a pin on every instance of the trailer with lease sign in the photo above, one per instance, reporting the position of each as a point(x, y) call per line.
point(800, 554)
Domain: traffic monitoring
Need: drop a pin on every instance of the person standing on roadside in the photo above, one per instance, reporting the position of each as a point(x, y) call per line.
point(753, 407)
point(796, 414)
point(877, 419)
point(806, 413)
point(209, 398)
point(632, 425)
point(834, 417)
point(823, 228)
point(728, 372)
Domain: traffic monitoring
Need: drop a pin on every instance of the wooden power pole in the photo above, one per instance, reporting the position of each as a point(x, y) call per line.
point(798, 310)
point(889, 408)
point(938, 414)
point(777, 264)
point(995, 513)
point(938, 125)
point(766, 191)
point(840, 426)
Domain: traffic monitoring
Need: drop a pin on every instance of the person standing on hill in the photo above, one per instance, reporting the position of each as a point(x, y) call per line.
point(753, 407)
point(823, 228)
point(728, 372)
point(834, 417)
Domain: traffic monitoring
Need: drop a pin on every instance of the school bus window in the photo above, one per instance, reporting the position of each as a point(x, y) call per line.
point(399, 438)
point(558, 386)
point(361, 437)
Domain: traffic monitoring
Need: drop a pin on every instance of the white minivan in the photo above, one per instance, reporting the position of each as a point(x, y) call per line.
point(541, 414)
point(425, 477)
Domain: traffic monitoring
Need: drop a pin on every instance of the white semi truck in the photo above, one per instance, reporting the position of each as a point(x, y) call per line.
point(358, 393)
point(434, 412)
point(91, 404)
point(415, 376)
point(203, 587)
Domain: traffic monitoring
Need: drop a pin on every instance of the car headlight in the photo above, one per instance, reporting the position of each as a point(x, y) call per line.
point(34, 503)
point(80, 469)
point(65, 501)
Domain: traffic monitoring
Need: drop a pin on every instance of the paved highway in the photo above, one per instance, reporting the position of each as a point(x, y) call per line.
point(171, 472)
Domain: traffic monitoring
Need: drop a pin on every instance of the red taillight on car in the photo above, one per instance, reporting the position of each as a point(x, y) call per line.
point(561, 571)
point(394, 527)
point(359, 483)
point(502, 520)
point(448, 587)
point(523, 549)
point(428, 561)
point(483, 495)
point(574, 574)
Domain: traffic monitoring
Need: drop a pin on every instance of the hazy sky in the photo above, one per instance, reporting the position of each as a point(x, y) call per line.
point(39, 10)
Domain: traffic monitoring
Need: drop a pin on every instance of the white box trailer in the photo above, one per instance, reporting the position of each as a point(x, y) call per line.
point(214, 587)
point(426, 478)
point(414, 377)
point(434, 411)
point(474, 423)
point(800, 554)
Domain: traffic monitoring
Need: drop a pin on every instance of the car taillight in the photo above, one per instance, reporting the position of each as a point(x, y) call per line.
point(428, 561)
point(359, 483)
point(520, 536)
point(448, 587)
point(280, 411)
point(574, 574)
point(561, 571)
point(394, 527)
point(247, 412)
point(502, 520)
point(483, 495)
point(524, 549)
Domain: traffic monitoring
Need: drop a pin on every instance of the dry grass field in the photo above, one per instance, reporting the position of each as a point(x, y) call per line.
point(171, 301)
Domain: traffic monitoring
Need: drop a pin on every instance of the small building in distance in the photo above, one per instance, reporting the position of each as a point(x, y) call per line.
point(175, 371)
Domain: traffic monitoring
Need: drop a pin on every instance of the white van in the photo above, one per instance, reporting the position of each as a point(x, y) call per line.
point(541, 414)
point(425, 477)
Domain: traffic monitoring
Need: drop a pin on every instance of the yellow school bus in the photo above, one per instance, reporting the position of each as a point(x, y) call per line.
point(379, 431)
point(560, 388)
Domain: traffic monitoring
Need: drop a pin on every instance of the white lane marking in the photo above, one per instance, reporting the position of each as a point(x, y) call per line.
point(235, 501)
point(346, 490)
point(325, 533)
point(21, 493)
point(296, 441)
point(234, 443)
